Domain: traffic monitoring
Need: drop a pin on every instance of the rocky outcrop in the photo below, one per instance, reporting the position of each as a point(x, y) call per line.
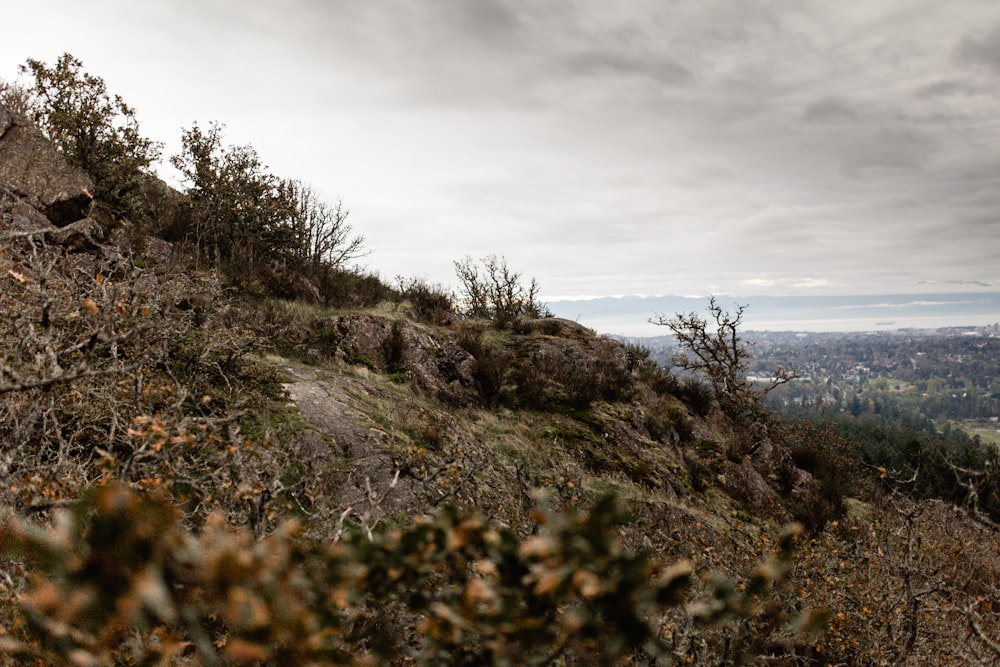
point(33, 171)
point(433, 360)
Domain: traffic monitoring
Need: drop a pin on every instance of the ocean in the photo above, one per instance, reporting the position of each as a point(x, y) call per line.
point(630, 315)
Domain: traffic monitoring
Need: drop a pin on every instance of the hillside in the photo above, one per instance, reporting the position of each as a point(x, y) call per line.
point(200, 470)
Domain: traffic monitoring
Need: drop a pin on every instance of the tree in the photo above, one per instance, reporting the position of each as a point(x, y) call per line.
point(96, 131)
point(723, 358)
point(15, 97)
point(241, 211)
point(498, 293)
point(322, 235)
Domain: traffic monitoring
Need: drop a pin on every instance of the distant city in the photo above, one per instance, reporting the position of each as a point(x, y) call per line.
point(973, 312)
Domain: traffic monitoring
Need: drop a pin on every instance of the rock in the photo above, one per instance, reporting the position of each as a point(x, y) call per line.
point(558, 326)
point(745, 483)
point(32, 169)
point(158, 251)
point(431, 358)
point(25, 218)
point(6, 119)
point(84, 234)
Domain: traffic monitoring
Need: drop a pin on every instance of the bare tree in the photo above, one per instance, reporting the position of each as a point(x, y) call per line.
point(323, 236)
point(16, 97)
point(722, 357)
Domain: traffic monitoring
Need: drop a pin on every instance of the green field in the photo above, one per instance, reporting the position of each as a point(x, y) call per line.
point(986, 432)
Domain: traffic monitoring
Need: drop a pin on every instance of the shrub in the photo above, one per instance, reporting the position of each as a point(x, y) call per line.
point(697, 396)
point(567, 374)
point(351, 288)
point(497, 294)
point(493, 364)
point(433, 304)
point(119, 580)
point(240, 210)
point(111, 373)
point(834, 465)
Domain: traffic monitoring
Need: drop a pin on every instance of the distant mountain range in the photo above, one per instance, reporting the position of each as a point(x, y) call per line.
point(630, 315)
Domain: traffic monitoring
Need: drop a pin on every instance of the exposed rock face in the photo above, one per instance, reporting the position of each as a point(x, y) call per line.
point(435, 362)
point(31, 169)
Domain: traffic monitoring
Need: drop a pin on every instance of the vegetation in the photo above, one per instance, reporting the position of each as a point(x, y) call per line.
point(723, 358)
point(497, 293)
point(317, 468)
point(95, 130)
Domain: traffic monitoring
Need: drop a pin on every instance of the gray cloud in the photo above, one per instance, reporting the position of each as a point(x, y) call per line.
point(640, 147)
point(891, 148)
point(981, 50)
point(949, 87)
point(829, 111)
point(660, 70)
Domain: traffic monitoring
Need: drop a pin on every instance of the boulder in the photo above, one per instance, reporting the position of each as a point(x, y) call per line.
point(32, 169)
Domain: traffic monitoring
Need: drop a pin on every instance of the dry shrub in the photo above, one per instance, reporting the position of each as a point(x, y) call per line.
point(493, 364)
point(565, 375)
point(431, 303)
point(120, 580)
point(109, 372)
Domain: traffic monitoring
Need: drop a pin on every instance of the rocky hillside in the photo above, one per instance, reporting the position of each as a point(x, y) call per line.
point(201, 477)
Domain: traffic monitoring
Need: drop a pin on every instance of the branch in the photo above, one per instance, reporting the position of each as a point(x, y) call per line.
point(978, 631)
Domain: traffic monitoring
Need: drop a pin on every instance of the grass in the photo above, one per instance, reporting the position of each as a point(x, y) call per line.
point(988, 433)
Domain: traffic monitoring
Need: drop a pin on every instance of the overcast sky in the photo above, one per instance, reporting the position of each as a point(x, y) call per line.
point(636, 147)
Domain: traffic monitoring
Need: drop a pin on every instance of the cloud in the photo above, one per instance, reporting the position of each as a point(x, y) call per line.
point(829, 111)
point(660, 70)
point(890, 148)
point(640, 147)
point(983, 51)
point(949, 88)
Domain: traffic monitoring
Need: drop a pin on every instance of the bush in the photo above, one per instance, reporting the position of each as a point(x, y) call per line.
point(433, 304)
point(112, 373)
point(697, 396)
point(350, 288)
point(240, 210)
point(493, 364)
point(834, 464)
point(497, 294)
point(119, 580)
point(558, 374)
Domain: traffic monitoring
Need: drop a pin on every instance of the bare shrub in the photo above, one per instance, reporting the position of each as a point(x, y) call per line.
point(108, 372)
point(497, 294)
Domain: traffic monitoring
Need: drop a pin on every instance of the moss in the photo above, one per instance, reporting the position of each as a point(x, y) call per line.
point(602, 455)
point(356, 358)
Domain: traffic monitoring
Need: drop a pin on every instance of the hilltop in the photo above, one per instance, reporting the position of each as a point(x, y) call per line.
point(213, 457)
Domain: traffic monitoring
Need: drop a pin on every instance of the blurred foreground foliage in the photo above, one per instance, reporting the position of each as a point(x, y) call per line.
point(118, 579)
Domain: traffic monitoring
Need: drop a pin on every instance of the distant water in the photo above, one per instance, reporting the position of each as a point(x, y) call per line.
point(629, 315)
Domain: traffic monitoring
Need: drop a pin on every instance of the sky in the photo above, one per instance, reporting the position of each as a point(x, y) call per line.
point(689, 147)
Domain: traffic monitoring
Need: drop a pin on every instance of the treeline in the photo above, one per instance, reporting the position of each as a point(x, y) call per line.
point(919, 460)
point(891, 377)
